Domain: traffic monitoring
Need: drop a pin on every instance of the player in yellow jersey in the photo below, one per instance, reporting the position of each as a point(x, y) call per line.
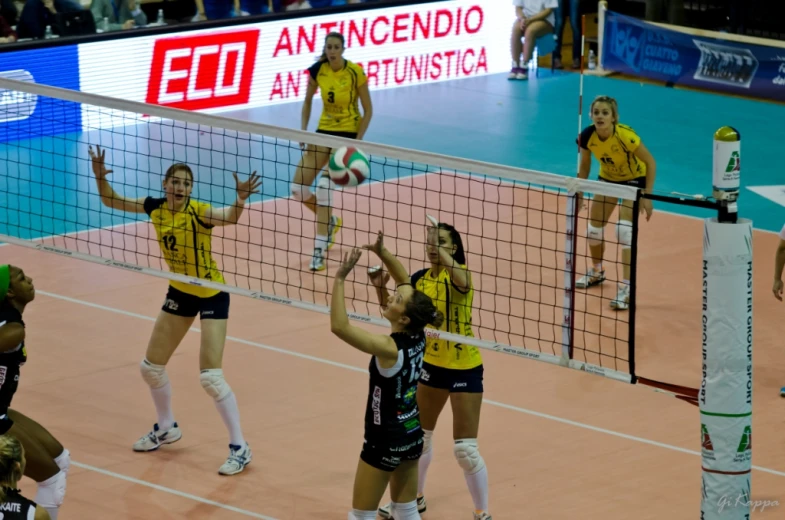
point(450, 370)
point(184, 229)
point(341, 84)
point(624, 159)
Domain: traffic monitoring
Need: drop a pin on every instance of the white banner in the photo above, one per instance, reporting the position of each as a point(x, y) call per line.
point(266, 63)
point(725, 397)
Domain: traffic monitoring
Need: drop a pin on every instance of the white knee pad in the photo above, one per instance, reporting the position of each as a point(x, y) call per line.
point(324, 191)
point(624, 233)
point(301, 192)
point(356, 514)
point(51, 492)
point(153, 375)
point(594, 234)
point(214, 383)
point(468, 456)
point(63, 461)
point(427, 441)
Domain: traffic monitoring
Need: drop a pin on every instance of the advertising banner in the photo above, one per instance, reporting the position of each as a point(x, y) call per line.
point(260, 64)
point(637, 48)
point(24, 115)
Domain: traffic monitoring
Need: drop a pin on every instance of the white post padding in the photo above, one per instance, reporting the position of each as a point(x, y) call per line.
point(725, 397)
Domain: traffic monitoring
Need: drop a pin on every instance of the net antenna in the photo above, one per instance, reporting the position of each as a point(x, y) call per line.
point(519, 225)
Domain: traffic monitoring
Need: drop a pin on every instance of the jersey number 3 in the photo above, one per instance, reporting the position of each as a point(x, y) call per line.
point(331, 97)
point(415, 371)
point(170, 243)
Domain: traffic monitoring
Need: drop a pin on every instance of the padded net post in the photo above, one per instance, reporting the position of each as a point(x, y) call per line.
point(521, 240)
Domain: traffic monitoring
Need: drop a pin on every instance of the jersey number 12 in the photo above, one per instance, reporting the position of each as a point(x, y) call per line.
point(170, 243)
point(416, 368)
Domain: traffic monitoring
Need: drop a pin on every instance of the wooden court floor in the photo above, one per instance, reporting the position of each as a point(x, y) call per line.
point(558, 443)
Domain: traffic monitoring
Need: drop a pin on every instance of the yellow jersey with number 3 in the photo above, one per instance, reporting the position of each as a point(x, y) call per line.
point(339, 92)
point(457, 308)
point(616, 155)
point(185, 242)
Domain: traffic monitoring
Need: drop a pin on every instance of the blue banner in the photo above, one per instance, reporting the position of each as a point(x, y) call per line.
point(26, 116)
point(638, 48)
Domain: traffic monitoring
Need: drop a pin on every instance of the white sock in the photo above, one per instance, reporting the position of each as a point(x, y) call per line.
point(407, 511)
point(478, 487)
point(230, 414)
point(52, 512)
point(356, 514)
point(162, 397)
point(424, 462)
point(321, 243)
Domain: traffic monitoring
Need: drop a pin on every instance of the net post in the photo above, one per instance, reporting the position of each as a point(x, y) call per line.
point(568, 323)
point(636, 205)
point(725, 396)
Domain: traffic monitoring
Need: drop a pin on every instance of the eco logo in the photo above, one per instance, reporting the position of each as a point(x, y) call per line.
point(734, 163)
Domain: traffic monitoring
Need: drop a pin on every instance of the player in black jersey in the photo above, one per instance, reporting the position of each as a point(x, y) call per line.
point(47, 461)
point(13, 506)
point(393, 436)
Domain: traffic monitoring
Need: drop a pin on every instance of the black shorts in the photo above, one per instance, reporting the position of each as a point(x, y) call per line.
point(388, 456)
point(454, 380)
point(638, 182)
point(5, 422)
point(187, 305)
point(348, 135)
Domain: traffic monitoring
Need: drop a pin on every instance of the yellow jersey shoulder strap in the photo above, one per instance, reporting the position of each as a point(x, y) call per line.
point(197, 209)
point(627, 137)
point(357, 72)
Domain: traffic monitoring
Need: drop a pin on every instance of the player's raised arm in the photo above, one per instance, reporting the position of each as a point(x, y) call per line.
point(109, 197)
point(394, 266)
point(381, 346)
point(229, 215)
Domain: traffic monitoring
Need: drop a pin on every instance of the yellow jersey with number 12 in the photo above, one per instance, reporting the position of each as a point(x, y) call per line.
point(457, 308)
point(616, 155)
point(341, 111)
point(185, 242)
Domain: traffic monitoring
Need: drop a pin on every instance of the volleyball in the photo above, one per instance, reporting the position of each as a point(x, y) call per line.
point(348, 166)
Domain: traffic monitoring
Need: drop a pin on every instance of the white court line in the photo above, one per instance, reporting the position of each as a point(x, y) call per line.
point(171, 491)
point(364, 371)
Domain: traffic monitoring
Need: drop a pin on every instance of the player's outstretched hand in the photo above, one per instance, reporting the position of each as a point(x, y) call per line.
point(245, 189)
point(777, 289)
point(349, 261)
point(99, 166)
point(378, 246)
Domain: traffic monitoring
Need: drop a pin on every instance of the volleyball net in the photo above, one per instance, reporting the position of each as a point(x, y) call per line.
point(524, 241)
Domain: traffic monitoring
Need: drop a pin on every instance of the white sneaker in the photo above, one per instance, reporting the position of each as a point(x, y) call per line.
point(156, 438)
point(591, 279)
point(386, 510)
point(317, 261)
point(239, 458)
point(482, 516)
point(622, 301)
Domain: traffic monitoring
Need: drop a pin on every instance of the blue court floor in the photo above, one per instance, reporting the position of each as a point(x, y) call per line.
point(526, 124)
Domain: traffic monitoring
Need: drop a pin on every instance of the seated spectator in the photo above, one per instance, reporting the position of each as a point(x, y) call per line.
point(216, 9)
point(533, 19)
point(37, 14)
point(9, 12)
point(7, 35)
point(121, 14)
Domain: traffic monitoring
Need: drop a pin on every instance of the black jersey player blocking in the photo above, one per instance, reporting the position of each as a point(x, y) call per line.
point(393, 435)
point(47, 461)
point(13, 505)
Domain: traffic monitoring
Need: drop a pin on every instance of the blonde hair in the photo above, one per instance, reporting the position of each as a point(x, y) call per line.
point(610, 101)
point(10, 463)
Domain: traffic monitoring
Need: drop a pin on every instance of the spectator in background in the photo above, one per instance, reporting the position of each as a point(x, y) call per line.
point(216, 9)
point(121, 14)
point(37, 14)
point(571, 8)
point(9, 12)
point(7, 35)
point(533, 19)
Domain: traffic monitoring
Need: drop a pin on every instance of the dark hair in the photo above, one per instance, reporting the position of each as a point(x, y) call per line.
point(459, 255)
point(10, 454)
point(178, 167)
point(333, 34)
point(421, 312)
